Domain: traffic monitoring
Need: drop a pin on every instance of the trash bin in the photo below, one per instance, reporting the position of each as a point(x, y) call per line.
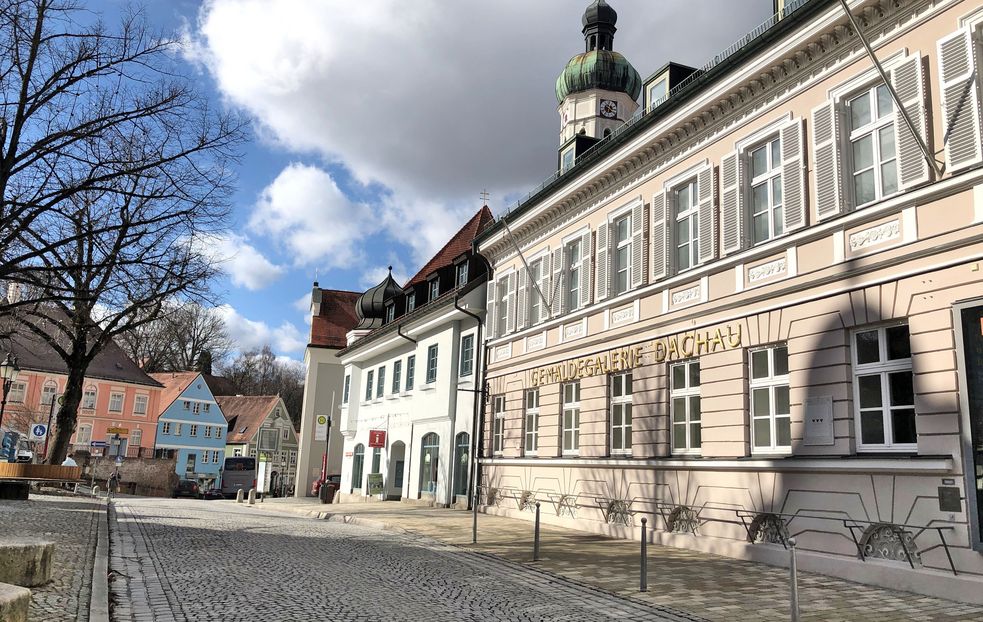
point(327, 491)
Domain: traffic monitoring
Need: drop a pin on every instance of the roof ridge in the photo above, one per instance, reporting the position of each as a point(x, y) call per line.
point(478, 216)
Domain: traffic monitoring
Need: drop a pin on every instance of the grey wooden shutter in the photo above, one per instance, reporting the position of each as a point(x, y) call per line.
point(707, 210)
point(603, 259)
point(556, 286)
point(586, 263)
point(659, 233)
point(960, 101)
point(521, 297)
point(731, 205)
point(793, 175)
point(490, 309)
point(908, 81)
point(638, 245)
point(510, 304)
point(826, 160)
point(545, 287)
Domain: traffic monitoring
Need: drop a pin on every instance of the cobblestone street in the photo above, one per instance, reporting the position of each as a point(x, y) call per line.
point(71, 523)
point(198, 560)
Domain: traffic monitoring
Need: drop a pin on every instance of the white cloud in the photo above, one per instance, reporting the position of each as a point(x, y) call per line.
point(374, 276)
point(433, 100)
point(245, 265)
point(306, 213)
point(249, 334)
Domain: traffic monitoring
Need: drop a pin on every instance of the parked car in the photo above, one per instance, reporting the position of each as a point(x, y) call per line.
point(24, 453)
point(213, 493)
point(187, 488)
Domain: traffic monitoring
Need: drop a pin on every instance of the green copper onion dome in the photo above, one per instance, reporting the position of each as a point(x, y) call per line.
point(599, 67)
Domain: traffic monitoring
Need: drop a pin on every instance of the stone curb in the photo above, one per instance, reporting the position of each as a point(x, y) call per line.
point(15, 602)
point(99, 596)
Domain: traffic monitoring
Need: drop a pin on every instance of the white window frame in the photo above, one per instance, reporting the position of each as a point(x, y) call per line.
point(461, 273)
point(369, 384)
point(686, 393)
point(165, 427)
point(218, 432)
point(564, 164)
point(187, 405)
point(89, 397)
point(177, 429)
point(380, 382)
point(692, 216)
point(410, 301)
point(139, 400)
point(771, 383)
point(883, 368)
point(498, 429)
point(620, 406)
point(194, 430)
point(120, 398)
point(617, 247)
point(138, 435)
point(872, 129)
point(17, 392)
point(196, 408)
point(570, 418)
point(347, 389)
point(84, 434)
point(470, 359)
point(285, 434)
point(208, 431)
point(390, 312)
point(433, 288)
point(573, 263)
point(774, 174)
point(237, 452)
point(48, 392)
point(502, 291)
point(410, 371)
point(530, 443)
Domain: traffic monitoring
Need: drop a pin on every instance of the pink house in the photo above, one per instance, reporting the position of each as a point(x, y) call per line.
point(117, 394)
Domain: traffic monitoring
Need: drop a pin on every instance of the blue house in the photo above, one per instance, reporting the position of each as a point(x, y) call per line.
point(191, 427)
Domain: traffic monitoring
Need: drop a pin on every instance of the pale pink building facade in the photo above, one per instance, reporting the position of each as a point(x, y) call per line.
point(754, 312)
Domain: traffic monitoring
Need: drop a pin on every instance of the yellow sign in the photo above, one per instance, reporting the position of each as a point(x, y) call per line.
point(120, 431)
point(621, 359)
point(696, 343)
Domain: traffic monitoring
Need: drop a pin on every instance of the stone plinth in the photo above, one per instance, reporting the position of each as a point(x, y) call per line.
point(25, 562)
point(14, 603)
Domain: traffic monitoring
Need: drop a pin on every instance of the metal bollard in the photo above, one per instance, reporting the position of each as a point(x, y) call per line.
point(239, 496)
point(644, 580)
point(793, 578)
point(95, 491)
point(252, 496)
point(535, 542)
point(474, 519)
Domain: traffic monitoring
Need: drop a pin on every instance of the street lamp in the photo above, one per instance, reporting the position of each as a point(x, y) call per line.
point(8, 372)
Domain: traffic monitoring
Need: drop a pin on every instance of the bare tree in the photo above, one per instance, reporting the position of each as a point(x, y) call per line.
point(114, 174)
point(259, 372)
point(178, 338)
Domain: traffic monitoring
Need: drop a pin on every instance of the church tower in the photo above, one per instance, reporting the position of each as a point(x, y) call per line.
point(597, 90)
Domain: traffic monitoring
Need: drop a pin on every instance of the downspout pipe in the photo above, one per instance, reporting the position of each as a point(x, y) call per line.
point(399, 331)
point(479, 401)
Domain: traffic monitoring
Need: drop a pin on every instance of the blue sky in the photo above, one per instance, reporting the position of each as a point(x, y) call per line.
point(377, 123)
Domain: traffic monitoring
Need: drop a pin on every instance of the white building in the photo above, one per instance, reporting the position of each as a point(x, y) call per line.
point(411, 372)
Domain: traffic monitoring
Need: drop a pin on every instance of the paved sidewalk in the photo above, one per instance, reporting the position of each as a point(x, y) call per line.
point(709, 586)
point(72, 523)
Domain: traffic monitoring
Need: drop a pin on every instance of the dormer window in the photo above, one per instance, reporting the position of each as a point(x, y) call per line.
point(434, 286)
point(462, 273)
point(390, 312)
point(410, 301)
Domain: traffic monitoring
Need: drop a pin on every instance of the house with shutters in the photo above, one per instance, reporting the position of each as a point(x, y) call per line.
point(411, 376)
point(191, 427)
point(748, 305)
point(260, 427)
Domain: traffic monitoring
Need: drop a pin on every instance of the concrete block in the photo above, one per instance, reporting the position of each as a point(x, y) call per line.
point(14, 491)
point(14, 603)
point(25, 561)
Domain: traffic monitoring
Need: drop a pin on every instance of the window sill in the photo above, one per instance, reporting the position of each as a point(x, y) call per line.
point(620, 453)
point(466, 382)
point(392, 396)
point(377, 400)
point(687, 454)
point(405, 393)
point(571, 453)
point(782, 452)
point(430, 386)
point(881, 449)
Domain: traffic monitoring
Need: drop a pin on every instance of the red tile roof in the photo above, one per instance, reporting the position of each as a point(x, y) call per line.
point(459, 244)
point(335, 319)
point(248, 413)
point(174, 384)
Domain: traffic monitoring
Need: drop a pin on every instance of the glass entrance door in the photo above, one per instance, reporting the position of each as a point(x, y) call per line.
point(429, 452)
point(972, 328)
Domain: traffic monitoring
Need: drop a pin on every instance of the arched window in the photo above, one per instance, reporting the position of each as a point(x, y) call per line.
point(429, 454)
point(89, 397)
point(358, 461)
point(462, 451)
